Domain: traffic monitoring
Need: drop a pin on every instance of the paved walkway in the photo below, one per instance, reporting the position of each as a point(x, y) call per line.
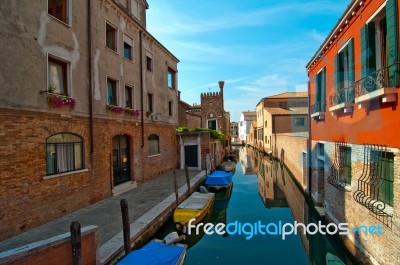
point(144, 203)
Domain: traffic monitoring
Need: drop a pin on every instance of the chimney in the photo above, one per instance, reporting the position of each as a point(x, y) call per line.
point(221, 86)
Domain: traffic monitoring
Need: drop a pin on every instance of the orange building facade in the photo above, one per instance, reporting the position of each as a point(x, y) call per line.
point(354, 80)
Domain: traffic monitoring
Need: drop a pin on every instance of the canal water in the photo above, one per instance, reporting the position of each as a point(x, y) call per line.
point(263, 193)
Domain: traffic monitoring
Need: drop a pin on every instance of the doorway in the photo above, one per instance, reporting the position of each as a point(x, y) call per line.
point(121, 159)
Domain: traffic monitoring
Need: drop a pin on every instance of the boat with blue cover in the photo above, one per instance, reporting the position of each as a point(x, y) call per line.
point(156, 252)
point(219, 179)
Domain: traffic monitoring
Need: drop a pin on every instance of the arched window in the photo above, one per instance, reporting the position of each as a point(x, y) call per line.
point(64, 153)
point(154, 146)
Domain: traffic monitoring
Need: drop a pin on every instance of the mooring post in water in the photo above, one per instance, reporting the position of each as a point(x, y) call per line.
point(76, 243)
point(187, 179)
point(126, 226)
point(205, 166)
point(176, 189)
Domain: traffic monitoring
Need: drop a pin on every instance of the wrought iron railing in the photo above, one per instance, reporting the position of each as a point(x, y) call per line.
point(372, 182)
point(318, 107)
point(386, 77)
point(337, 176)
point(341, 96)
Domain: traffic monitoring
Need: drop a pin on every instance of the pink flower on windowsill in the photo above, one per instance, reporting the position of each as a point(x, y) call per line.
point(59, 101)
point(115, 109)
point(132, 112)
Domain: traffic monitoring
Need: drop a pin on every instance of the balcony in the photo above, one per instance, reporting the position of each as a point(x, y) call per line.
point(382, 84)
point(318, 110)
point(342, 100)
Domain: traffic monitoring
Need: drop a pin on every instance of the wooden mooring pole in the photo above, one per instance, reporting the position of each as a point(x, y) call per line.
point(176, 189)
point(126, 226)
point(76, 243)
point(187, 179)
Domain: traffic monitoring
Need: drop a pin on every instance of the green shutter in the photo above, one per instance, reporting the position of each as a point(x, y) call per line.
point(392, 39)
point(351, 77)
point(350, 62)
point(387, 173)
point(316, 88)
point(337, 72)
point(348, 165)
point(323, 90)
point(368, 53)
point(364, 49)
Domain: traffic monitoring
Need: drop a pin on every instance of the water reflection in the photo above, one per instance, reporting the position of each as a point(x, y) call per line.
point(278, 189)
point(262, 191)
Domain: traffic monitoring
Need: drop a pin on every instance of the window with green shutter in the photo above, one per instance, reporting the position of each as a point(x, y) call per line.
point(392, 30)
point(320, 93)
point(386, 178)
point(344, 71)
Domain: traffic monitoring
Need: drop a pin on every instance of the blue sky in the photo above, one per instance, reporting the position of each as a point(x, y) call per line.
point(258, 47)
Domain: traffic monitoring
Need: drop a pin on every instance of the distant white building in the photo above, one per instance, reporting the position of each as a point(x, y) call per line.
point(244, 123)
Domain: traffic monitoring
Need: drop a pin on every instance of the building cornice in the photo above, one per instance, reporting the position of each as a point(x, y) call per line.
point(342, 23)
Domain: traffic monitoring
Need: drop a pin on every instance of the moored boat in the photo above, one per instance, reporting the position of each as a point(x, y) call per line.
point(219, 179)
point(228, 165)
point(195, 206)
point(333, 260)
point(156, 252)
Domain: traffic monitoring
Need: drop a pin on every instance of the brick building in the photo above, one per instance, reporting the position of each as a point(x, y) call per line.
point(209, 114)
point(354, 98)
point(88, 106)
point(282, 130)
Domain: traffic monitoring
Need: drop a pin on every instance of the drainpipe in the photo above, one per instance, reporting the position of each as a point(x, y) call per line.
point(141, 85)
point(90, 81)
point(309, 143)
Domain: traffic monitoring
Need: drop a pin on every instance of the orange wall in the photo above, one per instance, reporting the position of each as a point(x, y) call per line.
point(378, 124)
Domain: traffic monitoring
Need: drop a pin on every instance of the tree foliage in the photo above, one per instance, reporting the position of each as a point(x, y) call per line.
point(215, 134)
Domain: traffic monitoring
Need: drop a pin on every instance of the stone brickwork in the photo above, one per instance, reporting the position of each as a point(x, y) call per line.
point(29, 198)
point(293, 155)
point(341, 207)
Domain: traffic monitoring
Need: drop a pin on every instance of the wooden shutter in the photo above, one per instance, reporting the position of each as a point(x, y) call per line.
point(392, 39)
point(323, 90)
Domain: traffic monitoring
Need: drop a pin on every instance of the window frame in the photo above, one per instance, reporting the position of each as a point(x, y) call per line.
point(150, 102)
point(114, 37)
point(131, 97)
point(170, 108)
point(171, 81)
point(66, 68)
point(126, 40)
point(67, 13)
point(57, 147)
point(212, 120)
point(296, 119)
point(115, 89)
point(153, 145)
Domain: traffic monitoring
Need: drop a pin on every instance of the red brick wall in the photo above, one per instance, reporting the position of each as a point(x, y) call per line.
point(58, 252)
point(28, 199)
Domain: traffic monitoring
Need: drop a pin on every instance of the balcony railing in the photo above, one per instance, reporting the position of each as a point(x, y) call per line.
point(387, 77)
point(318, 107)
point(342, 96)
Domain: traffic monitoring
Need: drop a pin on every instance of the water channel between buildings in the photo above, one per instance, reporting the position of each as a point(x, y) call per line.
point(262, 191)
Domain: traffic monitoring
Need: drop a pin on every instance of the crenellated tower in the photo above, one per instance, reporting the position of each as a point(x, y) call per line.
point(212, 109)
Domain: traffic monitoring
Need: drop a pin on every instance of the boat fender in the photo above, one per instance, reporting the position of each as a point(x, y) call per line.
point(203, 189)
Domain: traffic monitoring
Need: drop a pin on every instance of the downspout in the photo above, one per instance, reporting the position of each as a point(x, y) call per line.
point(90, 81)
point(309, 143)
point(141, 85)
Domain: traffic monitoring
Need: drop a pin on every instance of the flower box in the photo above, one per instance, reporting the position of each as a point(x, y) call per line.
point(59, 101)
point(115, 109)
point(132, 112)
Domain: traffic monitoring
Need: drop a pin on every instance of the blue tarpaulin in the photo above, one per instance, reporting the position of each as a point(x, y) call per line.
point(219, 178)
point(154, 253)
